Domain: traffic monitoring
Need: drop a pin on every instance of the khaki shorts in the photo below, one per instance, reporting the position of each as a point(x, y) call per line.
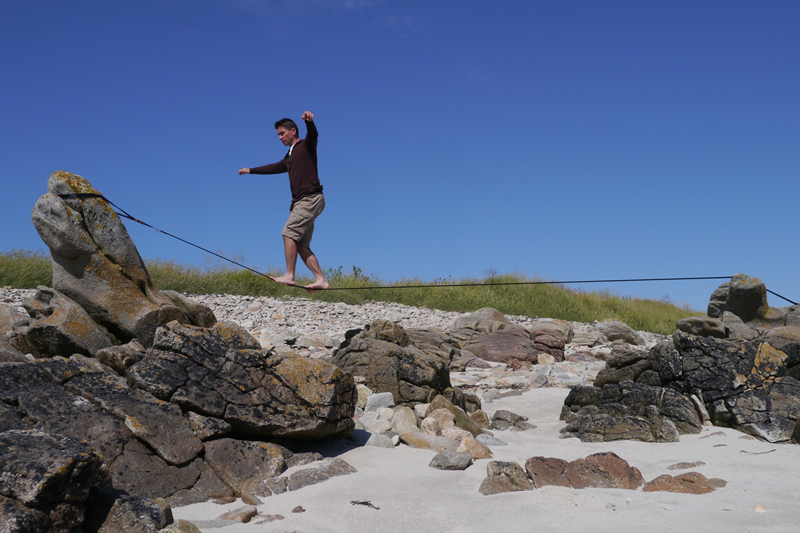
point(300, 226)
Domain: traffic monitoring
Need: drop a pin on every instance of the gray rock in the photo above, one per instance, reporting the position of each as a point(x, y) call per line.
point(319, 472)
point(735, 328)
point(245, 465)
point(197, 313)
point(120, 358)
point(618, 330)
point(449, 460)
point(222, 372)
point(96, 264)
point(378, 400)
point(411, 375)
point(489, 440)
point(704, 326)
point(58, 326)
point(503, 420)
point(115, 511)
point(379, 440)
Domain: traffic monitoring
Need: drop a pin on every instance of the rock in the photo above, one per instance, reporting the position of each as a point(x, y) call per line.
point(456, 433)
point(10, 318)
point(9, 354)
point(460, 418)
point(631, 411)
point(207, 427)
point(48, 474)
point(58, 326)
point(504, 346)
point(120, 358)
point(222, 372)
point(431, 426)
point(705, 326)
point(485, 316)
point(448, 460)
point(563, 328)
point(379, 400)
point(550, 342)
point(600, 470)
point(241, 514)
point(475, 449)
point(624, 366)
point(161, 425)
point(735, 328)
point(503, 420)
point(196, 313)
point(16, 518)
point(489, 440)
point(481, 418)
point(96, 264)
point(589, 338)
point(245, 465)
point(502, 476)
point(429, 442)
point(781, 336)
point(743, 296)
point(616, 329)
point(404, 421)
point(114, 511)
point(411, 375)
point(744, 384)
point(364, 393)
point(689, 483)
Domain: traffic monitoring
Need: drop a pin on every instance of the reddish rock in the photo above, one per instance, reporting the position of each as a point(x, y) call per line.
point(547, 471)
point(603, 470)
point(689, 483)
point(504, 346)
point(549, 341)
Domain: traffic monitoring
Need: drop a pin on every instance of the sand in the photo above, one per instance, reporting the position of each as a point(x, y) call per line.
point(761, 493)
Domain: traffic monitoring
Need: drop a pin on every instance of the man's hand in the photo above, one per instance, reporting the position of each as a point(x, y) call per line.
point(244, 171)
point(308, 116)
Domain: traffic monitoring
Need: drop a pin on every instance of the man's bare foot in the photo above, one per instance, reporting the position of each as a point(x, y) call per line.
point(285, 280)
point(317, 286)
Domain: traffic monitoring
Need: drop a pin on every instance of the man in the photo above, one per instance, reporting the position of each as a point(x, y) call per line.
point(307, 199)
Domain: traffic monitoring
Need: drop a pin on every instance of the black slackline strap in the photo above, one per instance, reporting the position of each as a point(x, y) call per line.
point(125, 214)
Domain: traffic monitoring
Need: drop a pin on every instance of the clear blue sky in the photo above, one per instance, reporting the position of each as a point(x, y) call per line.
point(564, 139)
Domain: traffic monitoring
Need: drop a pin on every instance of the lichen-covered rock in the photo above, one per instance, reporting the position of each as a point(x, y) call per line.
point(245, 465)
point(632, 411)
point(115, 511)
point(120, 358)
point(96, 264)
point(221, 372)
point(51, 474)
point(58, 326)
point(411, 375)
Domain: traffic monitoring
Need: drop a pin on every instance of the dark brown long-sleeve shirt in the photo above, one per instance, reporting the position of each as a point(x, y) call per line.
point(301, 166)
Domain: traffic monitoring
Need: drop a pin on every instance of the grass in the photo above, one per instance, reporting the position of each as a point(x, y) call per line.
point(25, 269)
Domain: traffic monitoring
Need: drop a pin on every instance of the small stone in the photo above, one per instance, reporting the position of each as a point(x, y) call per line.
point(298, 509)
point(242, 514)
point(449, 460)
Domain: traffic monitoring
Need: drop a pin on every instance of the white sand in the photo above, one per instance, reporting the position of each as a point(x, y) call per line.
point(761, 495)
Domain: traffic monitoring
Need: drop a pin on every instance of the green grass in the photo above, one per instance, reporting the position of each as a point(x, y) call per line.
point(25, 269)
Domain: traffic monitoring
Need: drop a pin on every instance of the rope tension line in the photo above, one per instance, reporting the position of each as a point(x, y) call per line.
point(121, 212)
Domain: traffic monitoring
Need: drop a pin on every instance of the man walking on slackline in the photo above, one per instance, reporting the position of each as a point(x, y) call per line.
point(307, 199)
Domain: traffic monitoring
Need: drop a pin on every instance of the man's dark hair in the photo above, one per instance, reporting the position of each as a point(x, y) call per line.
point(286, 123)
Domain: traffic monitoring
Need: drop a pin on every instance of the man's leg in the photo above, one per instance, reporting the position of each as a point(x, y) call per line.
point(290, 250)
point(313, 265)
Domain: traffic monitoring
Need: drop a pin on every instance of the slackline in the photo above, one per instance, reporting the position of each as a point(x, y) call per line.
point(121, 212)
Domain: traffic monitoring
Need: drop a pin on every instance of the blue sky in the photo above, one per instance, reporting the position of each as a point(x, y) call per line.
point(561, 139)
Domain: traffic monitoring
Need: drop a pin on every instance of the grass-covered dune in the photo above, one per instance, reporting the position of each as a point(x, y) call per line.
point(25, 269)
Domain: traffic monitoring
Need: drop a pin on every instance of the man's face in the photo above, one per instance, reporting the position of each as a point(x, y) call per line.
point(287, 136)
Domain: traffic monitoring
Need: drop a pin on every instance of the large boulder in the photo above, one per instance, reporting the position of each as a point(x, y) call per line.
point(49, 477)
point(628, 411)
point(222, 372)
point(95, 262)
point(58, 326)
point(504, 346)
point(743, 296)
point(385, 358)
point(613, 329)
